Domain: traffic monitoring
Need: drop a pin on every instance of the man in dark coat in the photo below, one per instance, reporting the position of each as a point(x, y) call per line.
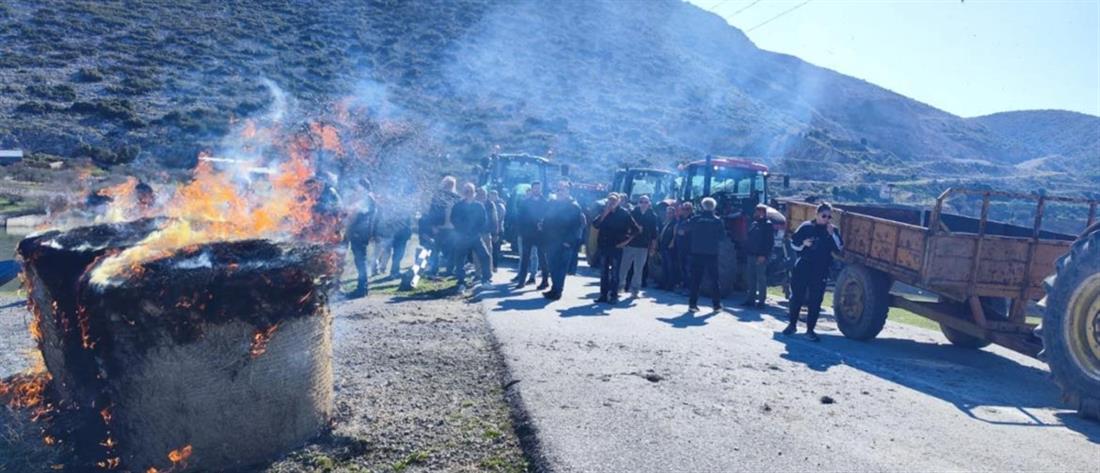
point(758, 248)
point(439, 227)
point(705, 232)
point(815, 241)
point(361, 228)
point(468, 218)
point(642, 245)
point(530, 217)
point(616, 227)
point(671, 266)
point(561, 228)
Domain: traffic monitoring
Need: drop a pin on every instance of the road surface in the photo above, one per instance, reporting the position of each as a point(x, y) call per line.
point(646, 386)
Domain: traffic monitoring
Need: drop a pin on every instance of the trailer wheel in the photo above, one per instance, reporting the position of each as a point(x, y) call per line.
point(1071, 325)
point(861, 301)
point(962, 339)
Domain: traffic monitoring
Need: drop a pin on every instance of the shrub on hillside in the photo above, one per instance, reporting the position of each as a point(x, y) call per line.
point(59, 92)
point(89, 74)
point(104, 156)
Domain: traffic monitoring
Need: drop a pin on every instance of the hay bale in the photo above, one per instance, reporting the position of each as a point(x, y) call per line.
point(217, 357)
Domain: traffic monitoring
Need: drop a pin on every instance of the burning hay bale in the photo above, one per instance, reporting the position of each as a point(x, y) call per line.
point(216, 356)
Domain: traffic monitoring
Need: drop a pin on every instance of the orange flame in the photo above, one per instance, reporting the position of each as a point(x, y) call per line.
point(213, 207)
point(260, 340)
point(180, 455)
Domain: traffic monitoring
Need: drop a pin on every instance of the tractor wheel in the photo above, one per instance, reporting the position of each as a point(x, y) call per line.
point(727, 270)
point(1071, 325)
point(962, 339)
point(861, 301)
point(590, 246)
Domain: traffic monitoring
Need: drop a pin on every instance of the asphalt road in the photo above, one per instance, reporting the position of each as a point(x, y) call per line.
point(646, 386)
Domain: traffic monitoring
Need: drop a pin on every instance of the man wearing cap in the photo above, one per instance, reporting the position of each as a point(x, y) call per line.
point(758, 247)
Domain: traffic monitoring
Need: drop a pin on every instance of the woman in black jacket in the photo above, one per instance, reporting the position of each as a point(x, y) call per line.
point(815, 241)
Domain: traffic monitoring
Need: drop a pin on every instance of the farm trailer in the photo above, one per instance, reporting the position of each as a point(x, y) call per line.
point(984, 275)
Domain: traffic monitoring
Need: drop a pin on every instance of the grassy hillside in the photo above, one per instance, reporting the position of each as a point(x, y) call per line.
point(594, 82)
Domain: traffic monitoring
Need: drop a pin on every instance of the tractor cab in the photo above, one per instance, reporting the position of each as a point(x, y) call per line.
point(737, 184)
point(634, 183)
point(511, 175)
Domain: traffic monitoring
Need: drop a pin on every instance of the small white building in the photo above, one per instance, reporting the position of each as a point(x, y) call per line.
point(10, 156)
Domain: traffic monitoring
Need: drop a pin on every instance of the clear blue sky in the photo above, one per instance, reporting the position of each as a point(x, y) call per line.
point(968, 58)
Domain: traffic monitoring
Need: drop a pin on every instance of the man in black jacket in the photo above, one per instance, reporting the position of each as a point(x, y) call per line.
point(642, 245)
point(815, 241)
point(758, 247)
point(468, 218)
point(561, 227)
point(530, 216)
point(616, 226)
point(705, 233)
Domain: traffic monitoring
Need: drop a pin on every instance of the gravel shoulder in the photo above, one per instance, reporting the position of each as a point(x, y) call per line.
point(419, 387)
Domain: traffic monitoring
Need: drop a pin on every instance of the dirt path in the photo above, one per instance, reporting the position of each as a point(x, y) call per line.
point(647, 386)
point(418, 388)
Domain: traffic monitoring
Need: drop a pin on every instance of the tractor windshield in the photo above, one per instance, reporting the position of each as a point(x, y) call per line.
point(654, 184)
point(731, 181)
point(514, 172)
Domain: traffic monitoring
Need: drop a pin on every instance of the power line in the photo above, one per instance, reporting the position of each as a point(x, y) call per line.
point(776, 17)
point(716, 4)
point(746, 7)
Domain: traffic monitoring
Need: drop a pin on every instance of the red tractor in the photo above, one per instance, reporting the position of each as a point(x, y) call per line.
point(738, 185)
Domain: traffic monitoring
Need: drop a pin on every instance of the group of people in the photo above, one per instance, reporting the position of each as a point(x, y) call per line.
point(467, 226)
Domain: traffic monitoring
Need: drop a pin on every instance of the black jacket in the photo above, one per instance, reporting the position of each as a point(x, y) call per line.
point(563, 221)
point(818, 257)
point(761, 238)
point(648, 223)
point(361, 226)
point(615, 228)
point(706, 232)
point(468, 218)
point(531, 212)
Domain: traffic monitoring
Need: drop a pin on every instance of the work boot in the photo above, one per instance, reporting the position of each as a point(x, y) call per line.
point(614, 299)
point(357, 293)
point(602, 299)
point(531, 280)
point(552, 295)
point(717, 306)
point(791, 328)
point(542, 286)
point(812, 336)
point(693, 308)
point(521, 285)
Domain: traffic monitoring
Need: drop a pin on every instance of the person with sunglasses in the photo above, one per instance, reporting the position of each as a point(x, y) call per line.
point(815, 241)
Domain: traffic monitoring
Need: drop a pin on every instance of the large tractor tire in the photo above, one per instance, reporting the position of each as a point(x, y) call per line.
point(861, 301)
point(728, 269)
point(590, 246)
point(1071, 325)
point(963, 339)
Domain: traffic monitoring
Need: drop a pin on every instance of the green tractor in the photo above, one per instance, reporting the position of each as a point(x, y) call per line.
point(511, 175)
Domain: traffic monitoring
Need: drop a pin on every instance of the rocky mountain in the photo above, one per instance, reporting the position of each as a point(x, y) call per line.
point(1053, 140)
point(595, 82)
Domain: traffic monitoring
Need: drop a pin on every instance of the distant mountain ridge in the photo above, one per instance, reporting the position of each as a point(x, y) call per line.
point(596, 82)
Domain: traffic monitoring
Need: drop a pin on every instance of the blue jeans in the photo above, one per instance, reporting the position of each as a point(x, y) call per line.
point(609, 261)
